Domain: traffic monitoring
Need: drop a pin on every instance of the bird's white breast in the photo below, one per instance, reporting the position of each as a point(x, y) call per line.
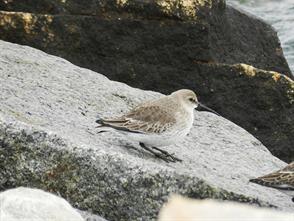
point(184, 122)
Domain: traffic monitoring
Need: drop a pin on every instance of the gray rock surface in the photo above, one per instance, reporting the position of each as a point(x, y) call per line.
point(167, 45)
point(48, 140)
point(90, 217)
point(22, 203)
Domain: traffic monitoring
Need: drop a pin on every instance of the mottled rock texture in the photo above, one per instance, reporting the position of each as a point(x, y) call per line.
point(163, 45)
point(49, 141)
point(135, 32)
point(20, 204)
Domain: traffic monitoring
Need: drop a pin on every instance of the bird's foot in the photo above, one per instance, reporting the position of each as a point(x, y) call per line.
point(164, 155)
point(171, 156)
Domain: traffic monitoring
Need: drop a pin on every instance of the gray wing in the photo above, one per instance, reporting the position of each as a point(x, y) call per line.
point(143, 119)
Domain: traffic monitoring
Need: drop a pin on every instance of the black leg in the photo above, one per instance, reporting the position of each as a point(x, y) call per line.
point(164, 155)
point(154, 153)
point(167, 154)
point(293, 199)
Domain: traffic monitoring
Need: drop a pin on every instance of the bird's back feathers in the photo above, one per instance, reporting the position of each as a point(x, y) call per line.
point(150, 117)
point(282, 179)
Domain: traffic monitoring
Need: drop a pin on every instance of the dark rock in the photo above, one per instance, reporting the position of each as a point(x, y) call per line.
point(169, 33)
point(167, 45)
point(188, 9)
point(260, 101)
point(236, 37)
point(57, 148)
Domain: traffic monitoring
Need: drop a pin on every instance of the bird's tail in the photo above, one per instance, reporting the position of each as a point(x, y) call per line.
point(102, 126)
point(99, 121)
point(256, 180)
point(117, 124)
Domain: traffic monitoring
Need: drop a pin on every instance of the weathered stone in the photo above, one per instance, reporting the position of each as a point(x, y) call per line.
point(48, 140)
point(24, 203)
point(144, 32)
point(34, 204)
point(87, 216)
point(179, 9)
point(163, 45)
point(260, 101)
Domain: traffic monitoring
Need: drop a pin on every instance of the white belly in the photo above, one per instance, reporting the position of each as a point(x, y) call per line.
point(171, 136)
point(157, 140)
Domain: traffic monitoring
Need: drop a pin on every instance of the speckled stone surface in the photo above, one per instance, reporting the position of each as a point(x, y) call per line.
point(48, 140)
point(152, 44)
point(90, 217)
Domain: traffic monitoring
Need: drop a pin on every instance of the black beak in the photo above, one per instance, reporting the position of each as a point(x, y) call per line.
point(202, 107)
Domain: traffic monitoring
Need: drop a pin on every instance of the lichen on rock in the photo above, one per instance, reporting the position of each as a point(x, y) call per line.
point(56, 147)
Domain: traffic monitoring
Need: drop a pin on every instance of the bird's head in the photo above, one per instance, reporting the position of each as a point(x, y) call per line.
point(189, 99)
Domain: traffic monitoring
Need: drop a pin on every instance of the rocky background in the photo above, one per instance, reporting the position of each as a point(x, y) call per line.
point(48, 106)
point(49, 141)
point(167, 45)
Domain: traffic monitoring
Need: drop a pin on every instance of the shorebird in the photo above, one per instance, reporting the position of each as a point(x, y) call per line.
point(160, 122)
point(282, 180)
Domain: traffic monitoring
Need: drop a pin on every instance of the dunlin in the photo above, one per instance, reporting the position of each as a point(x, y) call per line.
point(282, 180)
point(160, 122)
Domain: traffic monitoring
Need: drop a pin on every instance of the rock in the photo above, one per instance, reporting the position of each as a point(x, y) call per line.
point(168, 45)
point(49, 141)
point(131, 33)
point(22, 202)
point(179, 209)
point(262, 102)
point(33, 204)
point(188, 9)
point(87, 216)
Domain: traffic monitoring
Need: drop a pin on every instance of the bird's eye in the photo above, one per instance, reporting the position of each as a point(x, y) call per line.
point(192, 100)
